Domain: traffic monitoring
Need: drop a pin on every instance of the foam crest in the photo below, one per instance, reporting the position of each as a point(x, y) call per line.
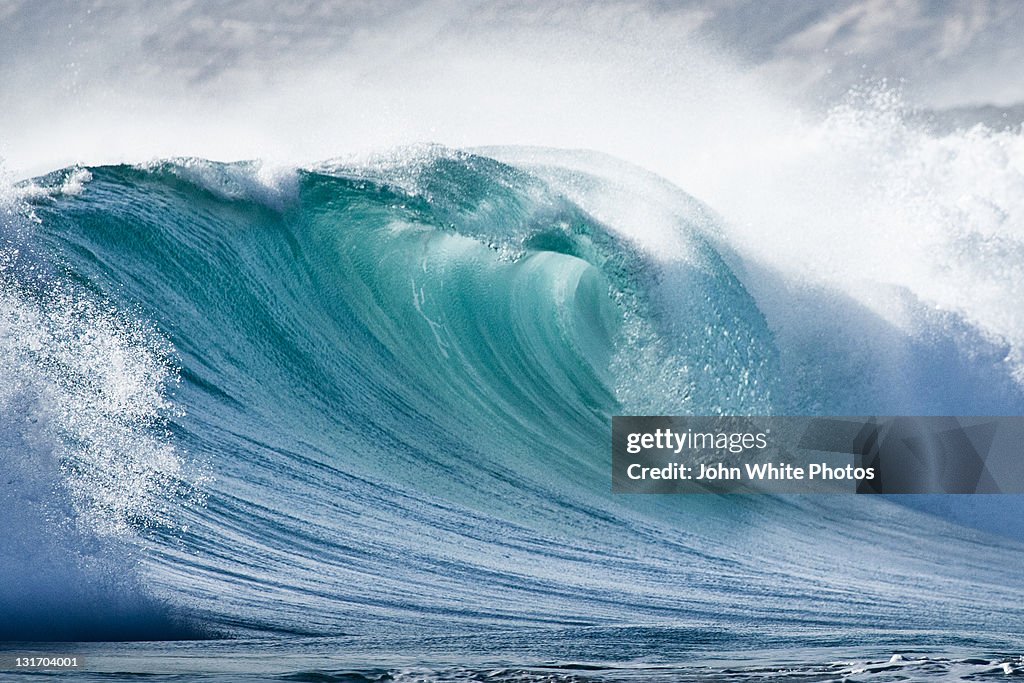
point(270, 184)
point(69, 182)
point(909, 223)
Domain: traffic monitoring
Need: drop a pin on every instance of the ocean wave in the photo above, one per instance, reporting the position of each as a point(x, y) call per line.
point(374, 395)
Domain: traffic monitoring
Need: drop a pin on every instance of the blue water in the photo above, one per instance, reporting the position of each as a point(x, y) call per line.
point(355, 418)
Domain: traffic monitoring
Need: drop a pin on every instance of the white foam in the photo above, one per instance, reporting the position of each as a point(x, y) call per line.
point(274, 185)
point(70, 183)
point(872, 205)
point(92, 387)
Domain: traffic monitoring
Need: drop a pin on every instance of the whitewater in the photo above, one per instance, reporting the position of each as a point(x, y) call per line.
point(340, 410)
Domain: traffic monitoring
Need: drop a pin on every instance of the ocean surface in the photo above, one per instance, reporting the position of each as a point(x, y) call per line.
point(350, 422)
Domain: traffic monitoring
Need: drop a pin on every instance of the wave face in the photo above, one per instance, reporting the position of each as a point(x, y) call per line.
point(368, 398)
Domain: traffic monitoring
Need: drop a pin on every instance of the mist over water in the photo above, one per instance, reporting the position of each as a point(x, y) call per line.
point(668, 87)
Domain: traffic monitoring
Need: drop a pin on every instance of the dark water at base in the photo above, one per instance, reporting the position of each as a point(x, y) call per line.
point(618, 654)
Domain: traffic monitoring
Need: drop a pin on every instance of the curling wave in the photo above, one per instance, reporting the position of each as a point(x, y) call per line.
point(372, 396)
